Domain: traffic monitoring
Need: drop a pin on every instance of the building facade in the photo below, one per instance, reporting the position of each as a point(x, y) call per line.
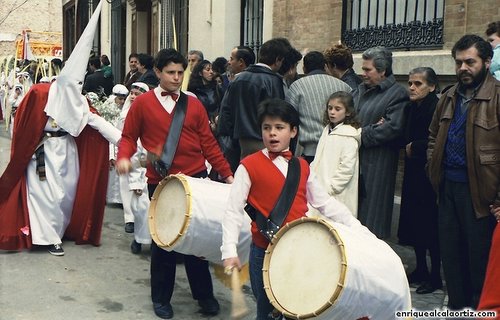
point(420, 32)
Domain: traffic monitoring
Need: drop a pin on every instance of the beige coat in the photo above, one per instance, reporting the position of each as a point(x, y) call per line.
point(336, 164)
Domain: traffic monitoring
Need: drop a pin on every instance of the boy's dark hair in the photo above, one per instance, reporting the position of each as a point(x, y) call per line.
point(346, 99)
point(484, 49)
point(274, 49)
point(146, 60)
point(314, 60)
point(246, 54)
point(493, 27)
point(279, 109)
point(96, 62)
point(165, 56)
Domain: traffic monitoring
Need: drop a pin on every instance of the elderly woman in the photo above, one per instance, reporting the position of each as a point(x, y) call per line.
point(419, 210)
point(380, 103)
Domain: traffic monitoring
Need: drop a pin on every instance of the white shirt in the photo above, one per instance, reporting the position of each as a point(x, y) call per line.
point(167, 101)
point(317, 197)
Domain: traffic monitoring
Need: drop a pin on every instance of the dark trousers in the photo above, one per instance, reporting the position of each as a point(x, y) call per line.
point(465, 243)
point(163, 267)
point(256, 263)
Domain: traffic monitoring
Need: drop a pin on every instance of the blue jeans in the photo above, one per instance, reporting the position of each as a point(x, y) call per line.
point(264, 307)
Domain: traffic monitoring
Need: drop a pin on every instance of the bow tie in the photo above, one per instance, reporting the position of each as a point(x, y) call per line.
point(285, 154)
point(173, 95)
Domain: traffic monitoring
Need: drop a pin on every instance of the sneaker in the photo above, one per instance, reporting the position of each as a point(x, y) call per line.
point(56, 250)
point(129, 227)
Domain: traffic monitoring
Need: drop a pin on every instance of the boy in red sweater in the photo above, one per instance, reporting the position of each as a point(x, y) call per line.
point(149, 119)
point(259, 180)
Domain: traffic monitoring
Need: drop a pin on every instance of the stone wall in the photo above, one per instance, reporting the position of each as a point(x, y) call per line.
point(312, 25)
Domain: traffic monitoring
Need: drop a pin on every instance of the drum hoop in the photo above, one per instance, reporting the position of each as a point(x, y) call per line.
point(152, 210)
point(267, 258)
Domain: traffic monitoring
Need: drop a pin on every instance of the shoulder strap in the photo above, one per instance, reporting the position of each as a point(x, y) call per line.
point(268, 227)
point(174, 132)
point(287, 195)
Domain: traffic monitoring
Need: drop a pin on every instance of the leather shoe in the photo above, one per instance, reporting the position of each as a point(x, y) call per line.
point(418, 277)
point(135, 247)
point(129, 227)
point(163, 311)
point(428, 287)
point(209, 307)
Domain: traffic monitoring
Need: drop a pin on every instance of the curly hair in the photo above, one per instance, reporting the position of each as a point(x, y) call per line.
point(339, 56)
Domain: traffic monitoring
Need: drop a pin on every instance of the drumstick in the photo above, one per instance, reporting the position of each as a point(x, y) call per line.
point(239, 307)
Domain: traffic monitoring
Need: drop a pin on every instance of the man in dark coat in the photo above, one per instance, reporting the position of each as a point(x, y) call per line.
point(257, 83)
point(96, 81)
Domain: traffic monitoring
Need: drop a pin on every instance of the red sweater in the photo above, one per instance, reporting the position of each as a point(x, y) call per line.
point(267, 181)
point(149, 121)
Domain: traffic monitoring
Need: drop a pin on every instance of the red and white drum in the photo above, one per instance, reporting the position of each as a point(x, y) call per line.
point(186, 214)
point(315, 268)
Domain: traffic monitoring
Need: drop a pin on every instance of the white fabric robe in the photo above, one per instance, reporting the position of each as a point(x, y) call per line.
point(50, 201)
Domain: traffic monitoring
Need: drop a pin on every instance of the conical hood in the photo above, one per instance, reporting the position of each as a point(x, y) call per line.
point(66, 104)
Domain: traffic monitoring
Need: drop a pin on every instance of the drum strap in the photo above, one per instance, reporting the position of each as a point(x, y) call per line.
point(271, 225)
point(163, 164)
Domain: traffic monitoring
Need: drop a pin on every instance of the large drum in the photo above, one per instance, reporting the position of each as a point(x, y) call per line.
point(315, 268)
point(185, 216)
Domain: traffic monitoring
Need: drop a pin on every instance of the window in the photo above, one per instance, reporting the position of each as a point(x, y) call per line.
point(174, 25)
point(395, 24)
point(252, 21)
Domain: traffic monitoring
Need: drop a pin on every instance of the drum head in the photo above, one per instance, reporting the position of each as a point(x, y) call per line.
point(169, 211)
point(304, 268)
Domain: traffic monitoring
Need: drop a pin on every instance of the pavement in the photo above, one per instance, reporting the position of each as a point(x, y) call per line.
point(108, 282)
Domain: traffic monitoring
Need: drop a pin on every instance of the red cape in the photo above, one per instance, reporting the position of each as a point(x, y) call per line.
point(88, 210)
point(490, 297)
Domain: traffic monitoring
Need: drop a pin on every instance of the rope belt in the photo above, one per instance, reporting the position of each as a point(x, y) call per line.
point(40, 152)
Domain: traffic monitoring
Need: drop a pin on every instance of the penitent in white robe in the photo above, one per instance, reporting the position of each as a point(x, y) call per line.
point(50, 201)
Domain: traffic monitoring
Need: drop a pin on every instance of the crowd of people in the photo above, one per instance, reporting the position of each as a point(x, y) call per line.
point(250, 115)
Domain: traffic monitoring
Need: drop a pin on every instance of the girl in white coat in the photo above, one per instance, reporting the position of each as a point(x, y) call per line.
point(336, 162)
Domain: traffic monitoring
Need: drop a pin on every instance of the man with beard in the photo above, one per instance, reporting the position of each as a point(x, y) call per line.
point(464, 169)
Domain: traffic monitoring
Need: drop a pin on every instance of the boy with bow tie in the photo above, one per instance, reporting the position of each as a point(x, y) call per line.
point(259, 180)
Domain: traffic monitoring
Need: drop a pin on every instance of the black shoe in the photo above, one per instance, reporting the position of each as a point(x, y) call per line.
point(418, 277)
point(209, 307)
point(163, 311)
point(56, 250)
point(129, 227)
point(135, 247)
point(428, 287)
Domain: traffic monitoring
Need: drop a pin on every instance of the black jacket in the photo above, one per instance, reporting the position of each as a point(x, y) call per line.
point(239, 106)
point(96, 82)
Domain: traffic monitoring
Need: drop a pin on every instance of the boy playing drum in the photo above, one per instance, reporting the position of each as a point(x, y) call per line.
point(259, 180)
